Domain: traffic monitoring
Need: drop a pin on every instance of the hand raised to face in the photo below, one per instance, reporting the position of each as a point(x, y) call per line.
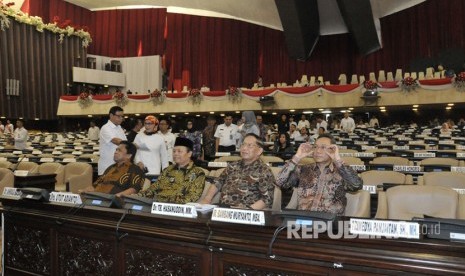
point(304, 150)
point(333, 152)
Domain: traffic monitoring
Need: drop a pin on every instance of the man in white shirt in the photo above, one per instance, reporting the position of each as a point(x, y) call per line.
point(321, 123)
point(111, 136)
point(21, 135)
point(168, 137)
point(347, 123)
point(374, 122)
point(303, 122)
point(226, 135)
point(94, 132)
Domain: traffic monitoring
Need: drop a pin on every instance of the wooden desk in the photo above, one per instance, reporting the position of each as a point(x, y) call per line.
point(56, 240)
point(36, 180)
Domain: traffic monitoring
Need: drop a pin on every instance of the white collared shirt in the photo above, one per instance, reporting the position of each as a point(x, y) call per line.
point(227, 134)
point(107, 148)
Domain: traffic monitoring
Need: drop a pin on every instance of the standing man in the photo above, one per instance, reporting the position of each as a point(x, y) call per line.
point(320, 186)
point(247, 183)
point(261, 127)
point(21, 135)
point(226, 135)
point(94, 132)
point(347, 123)
point(303, 123)
point(320, 122)
point(168, 137)
point(135, 126)
point(111, 136)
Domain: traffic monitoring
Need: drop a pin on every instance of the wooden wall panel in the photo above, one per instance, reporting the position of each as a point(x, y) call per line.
point(43, 66)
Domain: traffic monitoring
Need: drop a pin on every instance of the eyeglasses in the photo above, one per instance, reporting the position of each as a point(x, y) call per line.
point(249, 146)
point(148, 123)
point(322, 147)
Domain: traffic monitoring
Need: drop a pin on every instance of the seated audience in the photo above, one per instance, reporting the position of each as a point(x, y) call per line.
point(248, 183)
point(123, 177)
point(181, 182)
point(321, 186)
point(283, 144)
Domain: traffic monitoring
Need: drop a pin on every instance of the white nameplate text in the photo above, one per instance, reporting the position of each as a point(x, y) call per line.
point(218, 164)
point(399, 168)
point(219, 154)
point(457, 169)
point(400, 147)
point(67, 198)
point(346, 154)
point(370, 188)
point(364, 154)
point(386, 228)
point(175, 210)
point(358, 167)
point(239, 216)
point(460, 154)
point(12, 192)
point(368, 147)
point(424, 154)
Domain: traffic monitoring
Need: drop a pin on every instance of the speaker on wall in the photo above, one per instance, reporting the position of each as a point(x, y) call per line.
point(301, 24)
point(358, 17)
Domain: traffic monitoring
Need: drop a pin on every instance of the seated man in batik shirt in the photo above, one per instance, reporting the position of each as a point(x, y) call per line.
point(248, 183)
point(321, 186)
point(181, 182)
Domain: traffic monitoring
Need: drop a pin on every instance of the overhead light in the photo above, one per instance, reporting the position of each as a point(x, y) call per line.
point(382, 107)
point(415, 106)
point(20, 118)
point(449, 108)
point(211, 112)
point(450, 104)
point(326, 112)
point(344, 111)
point(291, 110)
point(264, 111)
point(414, 109)
point(308, 112)
point(125, 117)
point(274, 113)
point(90, 115)
point(162, 114)
point(237, 112)
point(3, 117)
point(351, 108)
point(383, 110)
point(36, 119)
point(174, 115)
point(197, 115)
point(320, 109)
point(222, 115)
point(187, 113)
point(137, 114)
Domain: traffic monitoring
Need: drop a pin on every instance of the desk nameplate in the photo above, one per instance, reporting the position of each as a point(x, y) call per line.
point(12, 193)
point(174, 210)
point(238, 216)
point(385, 228)
point(66, 198)
point(398, 168)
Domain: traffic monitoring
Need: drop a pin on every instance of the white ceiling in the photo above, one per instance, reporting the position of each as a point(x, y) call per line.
point(260, 12)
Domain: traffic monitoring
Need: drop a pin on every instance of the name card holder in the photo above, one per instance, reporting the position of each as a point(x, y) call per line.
point(385, 228)
point(46, 159)
point(65, 198)
point(174, 210)
point(238, 216)
point(218, 164)
point(359, 168)
point(361, 143)
point(370, 188)
point(457, 169)
point(17, 152)
point(69, 160)
point(76, 152)
point(446, 142)
point(424, 154)
point(36, 152)
point(21, 172)
point(346, 154)
point(11, 192)
point(399, 168)
point(364, 154)
point(368, 147)
point(58, 148)
point(460, 154)
point(219, 154)
point(55, 152)
point(400, 147)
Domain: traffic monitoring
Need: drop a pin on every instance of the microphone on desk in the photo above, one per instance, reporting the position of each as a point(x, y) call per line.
point(19, 162)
